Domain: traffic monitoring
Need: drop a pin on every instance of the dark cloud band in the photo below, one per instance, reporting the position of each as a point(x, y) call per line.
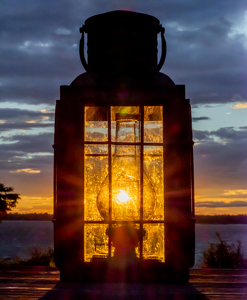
point(216, 204)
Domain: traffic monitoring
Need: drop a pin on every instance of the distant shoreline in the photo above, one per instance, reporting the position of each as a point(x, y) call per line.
point(200, 219)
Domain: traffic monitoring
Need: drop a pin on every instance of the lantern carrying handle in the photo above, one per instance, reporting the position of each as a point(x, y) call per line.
point(163, 45)
point(81, 48)
point(85, 64)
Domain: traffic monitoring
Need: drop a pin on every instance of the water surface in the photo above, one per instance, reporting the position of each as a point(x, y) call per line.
point(18, 237)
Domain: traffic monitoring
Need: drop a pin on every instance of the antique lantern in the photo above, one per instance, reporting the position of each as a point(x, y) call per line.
point(123, 167)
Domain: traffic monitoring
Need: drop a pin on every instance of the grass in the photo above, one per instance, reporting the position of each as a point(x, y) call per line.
point(39, 257)
point(223, 255)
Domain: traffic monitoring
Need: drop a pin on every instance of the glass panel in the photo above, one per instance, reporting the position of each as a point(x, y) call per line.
point(126, 183)
point(96, 170)
point(96, 244)
point(154, 241)
point(125, 124)
point(153, 187)
point(96, 126)
point(153, 124)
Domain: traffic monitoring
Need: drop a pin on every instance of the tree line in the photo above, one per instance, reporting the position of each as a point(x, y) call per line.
point(221, 219)
point(28, 217)
point(200, 219)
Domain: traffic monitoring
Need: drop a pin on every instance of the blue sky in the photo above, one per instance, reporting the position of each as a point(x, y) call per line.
point(206, 51)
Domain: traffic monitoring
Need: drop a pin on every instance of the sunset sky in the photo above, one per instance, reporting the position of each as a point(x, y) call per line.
point(206, 51)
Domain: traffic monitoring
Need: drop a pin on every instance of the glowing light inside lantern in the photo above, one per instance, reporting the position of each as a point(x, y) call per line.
point(123, 197)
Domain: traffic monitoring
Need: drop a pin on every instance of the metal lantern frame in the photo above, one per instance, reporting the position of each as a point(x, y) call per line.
point(69, 180)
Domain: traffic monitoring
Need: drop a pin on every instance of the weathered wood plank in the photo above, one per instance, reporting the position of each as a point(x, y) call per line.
point(43, 283)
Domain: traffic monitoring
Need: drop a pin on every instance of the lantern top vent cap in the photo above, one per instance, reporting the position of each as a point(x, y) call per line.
point(122, 18)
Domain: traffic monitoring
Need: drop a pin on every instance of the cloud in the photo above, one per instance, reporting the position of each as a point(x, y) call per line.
point(240, 106)
point(31, 143)
point(238, 98)
point(200, 119)
point(235, 192)
point(25, 114)
point(204, 51)
point(224, 133)
point(210, 52)
point(230, 133)
point(220, 160)
point(15, 118)
point(34, 204)
point(199, 135)
point(216, 204)
point(26, 171)
point(24, 125)
point(31, 152)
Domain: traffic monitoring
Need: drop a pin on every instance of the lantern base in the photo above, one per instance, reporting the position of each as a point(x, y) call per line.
point(106, 271)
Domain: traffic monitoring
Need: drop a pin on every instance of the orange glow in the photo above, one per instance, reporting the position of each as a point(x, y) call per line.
point(123, 197)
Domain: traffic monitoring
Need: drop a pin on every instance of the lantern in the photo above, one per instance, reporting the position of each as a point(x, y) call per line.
point(123, 161)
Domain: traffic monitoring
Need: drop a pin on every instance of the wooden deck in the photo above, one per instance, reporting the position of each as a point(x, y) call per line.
point(43, 283)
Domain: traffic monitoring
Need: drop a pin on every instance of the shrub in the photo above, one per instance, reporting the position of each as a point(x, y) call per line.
point(5, 262)
point(224, 256)
point(40, 257)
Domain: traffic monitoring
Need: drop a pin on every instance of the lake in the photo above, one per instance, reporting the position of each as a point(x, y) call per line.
point(18, 237)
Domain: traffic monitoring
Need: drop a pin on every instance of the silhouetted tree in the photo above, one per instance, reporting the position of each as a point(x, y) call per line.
point(8, 200)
